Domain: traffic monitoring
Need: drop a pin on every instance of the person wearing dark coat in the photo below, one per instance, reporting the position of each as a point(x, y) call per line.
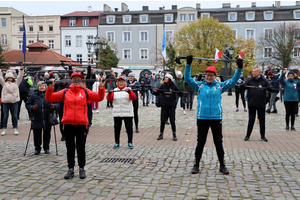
point(168, 103)
point(39, 109)
point(239, 90)
point(257, 86)
point(146, 82)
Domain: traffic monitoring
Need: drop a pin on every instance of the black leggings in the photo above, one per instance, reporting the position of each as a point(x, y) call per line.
point(237, 92)
point(216, 128)
point(290, 111)
point(135, 105)
point(118, 126)
point(165, 113)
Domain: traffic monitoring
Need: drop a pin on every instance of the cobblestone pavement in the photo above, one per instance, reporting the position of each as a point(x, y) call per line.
point(161, 169)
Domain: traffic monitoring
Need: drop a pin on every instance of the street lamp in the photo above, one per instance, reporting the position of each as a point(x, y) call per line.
point(231, 50)
point(263, 67)
point(96, 45)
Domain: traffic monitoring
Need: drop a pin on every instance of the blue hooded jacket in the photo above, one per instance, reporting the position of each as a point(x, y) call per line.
point(209, 98)
point(290, 86)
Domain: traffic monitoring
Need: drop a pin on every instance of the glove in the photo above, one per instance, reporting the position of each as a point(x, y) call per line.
point(128, 90)
point(239, 63)
point(110, 91)
point(189, 59)
point(52, 106)
point(35, 107)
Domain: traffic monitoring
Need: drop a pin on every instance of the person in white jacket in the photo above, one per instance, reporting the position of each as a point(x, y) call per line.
point(10, 98)
point(95, 89)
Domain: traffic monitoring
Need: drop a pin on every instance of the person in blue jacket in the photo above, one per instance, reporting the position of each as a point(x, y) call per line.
point(39, 109)
point(209, 109)
point(290, 97)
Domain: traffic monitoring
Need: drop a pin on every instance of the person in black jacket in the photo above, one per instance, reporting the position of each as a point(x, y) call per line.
point(39, 109)
point(146, 82)
point(24, 89)
point(168, 102)
point(239, 90)
point(257, 86)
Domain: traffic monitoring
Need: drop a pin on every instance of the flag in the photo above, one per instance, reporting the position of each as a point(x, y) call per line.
point(24, 38)
point(163, 47)
point(241, 54)
point(217, 55)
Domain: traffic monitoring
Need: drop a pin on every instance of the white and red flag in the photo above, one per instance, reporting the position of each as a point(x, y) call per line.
point(218, 54)
point(241, 54)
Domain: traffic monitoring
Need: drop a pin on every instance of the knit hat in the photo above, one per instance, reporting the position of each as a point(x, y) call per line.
point(131, 74)
point(122, 78)
point(46, 74)
point(270, 73)
point(9, 75)
point(41, 82)
point(169, 76)
point(291, 72)
point(76, 74)
point(211, 69)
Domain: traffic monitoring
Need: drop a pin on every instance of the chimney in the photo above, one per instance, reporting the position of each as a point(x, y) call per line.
point(89, 9)
point(237, 6)
point(253, 4)
point(116, 9)
point(174, 7)
point(124, 7)
point(226, 5)
point(145, 8)
point(198, 5)
point(297, 3)
point(160, 8)
point(106, 8)
point(277, 4)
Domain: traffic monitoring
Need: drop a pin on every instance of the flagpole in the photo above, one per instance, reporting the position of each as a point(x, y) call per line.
point(164, 62)
point(24, 41)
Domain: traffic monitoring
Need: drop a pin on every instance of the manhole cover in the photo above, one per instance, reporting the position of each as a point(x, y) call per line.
point(114, 160)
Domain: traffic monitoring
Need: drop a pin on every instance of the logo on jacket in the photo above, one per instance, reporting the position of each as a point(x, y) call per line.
point(295, 85)
point(80, 95)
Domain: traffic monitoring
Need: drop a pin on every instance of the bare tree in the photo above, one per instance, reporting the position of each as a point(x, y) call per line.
point(278, 46)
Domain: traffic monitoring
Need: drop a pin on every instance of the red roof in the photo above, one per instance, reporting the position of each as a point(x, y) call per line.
point(37, 44)
point(82, 14)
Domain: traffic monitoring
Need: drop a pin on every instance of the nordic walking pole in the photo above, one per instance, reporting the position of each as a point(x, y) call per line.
point(55, 140)
point(27, 141)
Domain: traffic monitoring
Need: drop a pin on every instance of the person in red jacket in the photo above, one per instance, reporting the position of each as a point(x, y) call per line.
point(75, 121)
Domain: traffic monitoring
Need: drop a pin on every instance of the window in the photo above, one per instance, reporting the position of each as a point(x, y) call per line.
point(110, 19)
point(234, 32)
point(110, 36)
point(232, 16)
point(72, 22)
point(191, 17)
point(68, 41)
point(268, 33)
point(143, 18)
point(143, 54)
point(51, 44)
point(126, 36)
point(3, 22)
point(78, 41)
point(250, 34)
point(85, 22)
point(126, 19)
point(4, 39)
point(30, 41)
point(20, 28)
point(143, 36)
point(79, 57)
point(90, 38)
point(297, 33)
point(268, 15)
point(182, 17)
point(267, 52)
point(250, 16)
point(168, 18)
point(41, 28)
point(30, 29)
point(296, 14)
point(169, 36)
point(126, 54)
point(50, 28)
point(296, 52)
point(41, 41)
point(207, 15)
point(68, 56)
point(20, 44)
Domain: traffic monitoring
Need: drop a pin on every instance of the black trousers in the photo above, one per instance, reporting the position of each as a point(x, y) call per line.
point(135, 105)
point(251, 119)
point(118, 126)
point(23, 97)
point(90, 113)
point(237, 93)
point(190, 99)
point(60, 114)
point(290, 111)
point(37, 138)
point(145, 93)
point(216, 128)
point(165, 113)
point(75, 138)
point(109, 104)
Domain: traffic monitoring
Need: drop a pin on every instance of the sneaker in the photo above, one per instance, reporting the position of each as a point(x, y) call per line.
point(137, 130)
point(224, 170)
point(287, 128)
point(81, 173)
point(264, 139)
point(245, 109)
point(130, 146)
point(152, 102)
point(160, 137)
point(293, 128)
point(167, 122)
point(274, 111)
point(92, 111)
point(181, 108)
point(195, 169)
point(16, 131)
point(184, 112)
point(191, 109)
point(116, 146)
point(47, 151)
point(246, 138)
point(69, 174)
point(174, 137)
point(97, 111)
point(268, 111)
point(237, 110)
point(36, 152)
point(3, 132)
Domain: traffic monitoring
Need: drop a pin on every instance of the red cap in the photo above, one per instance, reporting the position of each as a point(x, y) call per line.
point(76, 74)
point(211, 69)
point(122, 78)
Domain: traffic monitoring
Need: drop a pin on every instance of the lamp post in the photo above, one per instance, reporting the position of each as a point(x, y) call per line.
point(96, 45)
point(231, 50)
point(263, 68)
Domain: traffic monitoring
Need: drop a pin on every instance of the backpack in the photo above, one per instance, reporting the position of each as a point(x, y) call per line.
point(85, 91)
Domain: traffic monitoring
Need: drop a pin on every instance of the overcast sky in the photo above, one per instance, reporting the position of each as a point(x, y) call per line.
point(42, 7)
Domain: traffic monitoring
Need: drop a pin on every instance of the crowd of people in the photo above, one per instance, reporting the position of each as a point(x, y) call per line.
point(75, 100)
